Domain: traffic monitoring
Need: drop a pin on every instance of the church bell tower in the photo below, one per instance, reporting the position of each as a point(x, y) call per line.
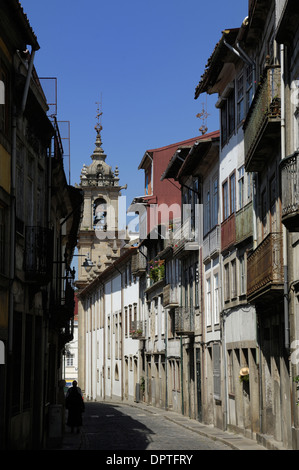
point(99, 238)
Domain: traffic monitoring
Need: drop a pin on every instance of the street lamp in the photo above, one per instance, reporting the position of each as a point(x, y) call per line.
point(88, 265)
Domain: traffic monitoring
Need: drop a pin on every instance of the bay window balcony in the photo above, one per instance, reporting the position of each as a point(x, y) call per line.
point(262, 124)
point(170, 296)
point(184, 321)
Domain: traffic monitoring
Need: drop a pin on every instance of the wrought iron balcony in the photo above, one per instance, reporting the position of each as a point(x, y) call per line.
point(170, 296)
point(137, 330)
point(228, 232)
point(184, 321)
point(244, 223)
point(265, 268)
point(38, 261)
point(290, 191)
point(262, 124)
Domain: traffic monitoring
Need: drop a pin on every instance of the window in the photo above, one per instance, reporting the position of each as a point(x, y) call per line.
point(207, 212)
point(228, 118)
point(226, 282)
point(249, 87)
point(232, 184)
point(233, 279)
point(241, 175)
point(215, 203)
point(225, 200)
point(191, 285)
point(240, 98)
point(208, 301)
point(217, 371)
point(216, 298)
point(242, 275)
point(244, 99)
point(264, 212)
point(69, 359)
point(186, 283)
point(100, 215)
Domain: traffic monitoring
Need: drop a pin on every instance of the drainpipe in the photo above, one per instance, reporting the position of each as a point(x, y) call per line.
point(28, 78)
point(225, 373)
point(284, 238)
point(182, 375)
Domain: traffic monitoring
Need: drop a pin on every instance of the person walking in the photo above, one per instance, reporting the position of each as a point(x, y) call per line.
point(75, 405)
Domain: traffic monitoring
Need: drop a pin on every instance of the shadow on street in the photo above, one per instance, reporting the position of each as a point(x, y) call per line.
point(105, 427)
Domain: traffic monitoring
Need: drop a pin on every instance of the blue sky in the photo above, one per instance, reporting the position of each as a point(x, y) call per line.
point(142, 59)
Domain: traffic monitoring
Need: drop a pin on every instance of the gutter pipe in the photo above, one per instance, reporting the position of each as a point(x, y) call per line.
point(285, 234)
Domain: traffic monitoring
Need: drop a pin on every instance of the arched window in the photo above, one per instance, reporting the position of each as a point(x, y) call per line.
point(100, 214)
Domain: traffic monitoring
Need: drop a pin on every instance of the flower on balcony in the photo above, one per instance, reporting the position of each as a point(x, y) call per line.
point(156, 270)
point(135, 333)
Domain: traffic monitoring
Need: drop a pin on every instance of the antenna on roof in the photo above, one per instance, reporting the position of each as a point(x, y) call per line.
point(204, 116)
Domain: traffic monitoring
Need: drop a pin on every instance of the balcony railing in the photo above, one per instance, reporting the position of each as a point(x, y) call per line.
point(170, 296)
point(184, 321)
point(290, 191)
point(265, 268)
point(38, 261)
point(211, 243)
point(263, 119)
point(137, 329)
point(228, 232)
point(244, 223)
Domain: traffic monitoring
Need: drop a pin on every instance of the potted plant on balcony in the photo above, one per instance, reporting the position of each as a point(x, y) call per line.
point(136, 333)
point(275, 106)
point(156, 270)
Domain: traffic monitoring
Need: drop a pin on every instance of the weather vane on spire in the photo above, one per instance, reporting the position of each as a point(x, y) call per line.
point(204, 116)
point(98, 126)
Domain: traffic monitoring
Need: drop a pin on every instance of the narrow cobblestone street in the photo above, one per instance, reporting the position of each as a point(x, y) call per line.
point(122, 427)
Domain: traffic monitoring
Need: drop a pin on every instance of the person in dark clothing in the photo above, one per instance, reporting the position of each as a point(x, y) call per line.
point(75, 405)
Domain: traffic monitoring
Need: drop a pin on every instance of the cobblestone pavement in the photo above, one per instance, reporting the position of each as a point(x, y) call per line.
point(123, 427)
point(110, 426)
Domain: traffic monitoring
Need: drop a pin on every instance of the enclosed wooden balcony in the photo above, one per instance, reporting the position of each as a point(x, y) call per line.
point(170, 296)
point(265, 269)
point(139, 263)
point(184, 321)
point(228, 232)
point(244, 224)
point(290, 191)
point(262, 124)
point(211, 243)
